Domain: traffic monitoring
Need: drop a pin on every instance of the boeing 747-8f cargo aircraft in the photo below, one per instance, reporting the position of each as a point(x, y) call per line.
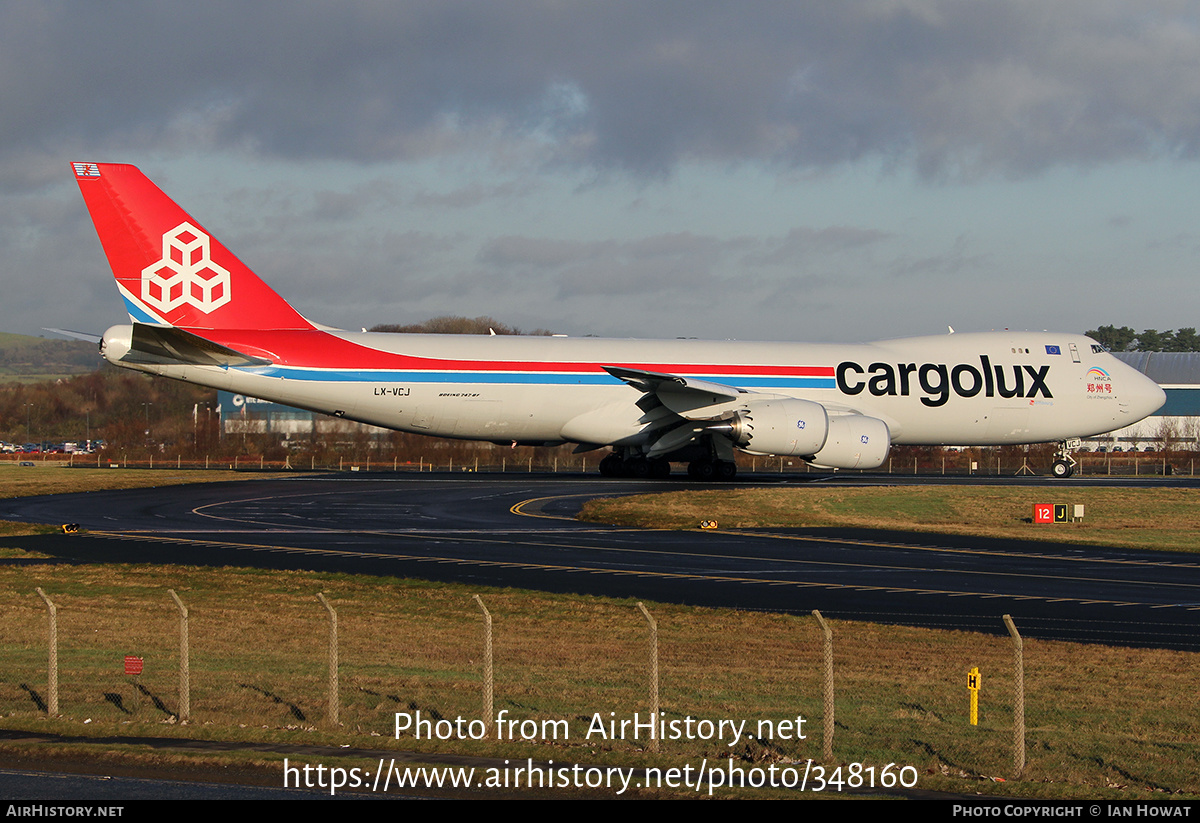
point(199, 314)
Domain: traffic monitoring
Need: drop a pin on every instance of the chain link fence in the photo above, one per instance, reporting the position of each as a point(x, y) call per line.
point(573, 677)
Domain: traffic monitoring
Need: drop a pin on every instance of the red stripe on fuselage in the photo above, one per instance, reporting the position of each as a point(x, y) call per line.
point(321, 350)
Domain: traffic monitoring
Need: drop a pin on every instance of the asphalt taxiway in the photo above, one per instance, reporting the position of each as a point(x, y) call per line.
point(518, 530)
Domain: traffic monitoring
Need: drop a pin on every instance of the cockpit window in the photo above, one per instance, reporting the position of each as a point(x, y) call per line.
point(1098, 349)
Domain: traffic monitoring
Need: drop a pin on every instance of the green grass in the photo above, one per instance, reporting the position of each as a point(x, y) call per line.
point(56, 477)
point(1143, 519)
point(1098, 717)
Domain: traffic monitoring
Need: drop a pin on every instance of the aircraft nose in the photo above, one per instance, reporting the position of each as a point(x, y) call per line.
point(1145, 397)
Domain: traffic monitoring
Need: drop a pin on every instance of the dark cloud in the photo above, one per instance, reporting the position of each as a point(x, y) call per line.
point(958, 88)
point(53, 268)
point(488, 97)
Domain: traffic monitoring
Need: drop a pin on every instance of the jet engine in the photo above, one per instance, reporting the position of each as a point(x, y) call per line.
point(786, 426)
point(854, 442)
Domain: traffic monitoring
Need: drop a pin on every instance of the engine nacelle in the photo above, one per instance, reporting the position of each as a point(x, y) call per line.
point(786, 426)
point(854, 442)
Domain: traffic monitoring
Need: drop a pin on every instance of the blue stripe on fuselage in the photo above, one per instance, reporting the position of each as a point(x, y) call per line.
point(521, 378)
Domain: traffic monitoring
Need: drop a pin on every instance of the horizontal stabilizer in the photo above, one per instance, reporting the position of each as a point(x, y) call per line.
point(75, 335)
point(166, 344)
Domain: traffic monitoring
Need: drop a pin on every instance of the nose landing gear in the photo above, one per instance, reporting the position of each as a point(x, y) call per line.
point(1064, 462)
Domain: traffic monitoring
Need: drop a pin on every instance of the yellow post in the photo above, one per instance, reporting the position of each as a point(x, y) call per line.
point(973, 688)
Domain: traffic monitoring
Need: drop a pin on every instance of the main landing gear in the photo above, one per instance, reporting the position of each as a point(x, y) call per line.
point(635, 466)
point(704, 469)
point(1064, 462)
point(707, 469)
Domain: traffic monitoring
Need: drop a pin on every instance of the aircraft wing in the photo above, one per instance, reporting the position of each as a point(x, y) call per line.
point(169, 345)
point(687, 397)
point(680, 411)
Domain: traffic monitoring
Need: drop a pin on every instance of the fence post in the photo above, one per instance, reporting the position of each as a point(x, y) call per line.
point(185, 685)
point(827, 684)
point(333, 660)
point(654, 743)
point(1018, 697)
point(52, 668)
point(487, 664)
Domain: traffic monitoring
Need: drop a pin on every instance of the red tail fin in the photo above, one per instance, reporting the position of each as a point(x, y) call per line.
point(170, 270)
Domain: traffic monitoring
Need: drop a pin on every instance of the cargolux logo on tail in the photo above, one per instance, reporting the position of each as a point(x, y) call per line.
point(185, 274)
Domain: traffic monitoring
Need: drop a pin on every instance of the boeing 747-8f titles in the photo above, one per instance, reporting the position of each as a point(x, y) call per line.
point(199, 314)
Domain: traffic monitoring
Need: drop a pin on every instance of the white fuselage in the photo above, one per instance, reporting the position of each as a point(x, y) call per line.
point(993, 388)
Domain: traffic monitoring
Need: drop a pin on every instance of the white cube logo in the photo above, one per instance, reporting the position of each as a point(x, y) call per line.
point(185, 274)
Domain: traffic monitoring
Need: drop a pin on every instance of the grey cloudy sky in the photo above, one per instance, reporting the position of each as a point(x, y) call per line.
point(779, 170)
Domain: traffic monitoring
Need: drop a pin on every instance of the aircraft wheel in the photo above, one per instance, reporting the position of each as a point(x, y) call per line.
point(638, 467)
point(611, 466)
point(726, 470)
point(1062, 468)
point(660, 468)
point(704, 470)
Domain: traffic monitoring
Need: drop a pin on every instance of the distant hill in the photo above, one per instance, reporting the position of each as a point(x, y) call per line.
point(26, 359)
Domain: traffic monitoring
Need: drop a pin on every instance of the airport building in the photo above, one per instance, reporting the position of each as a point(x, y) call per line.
point(240, 414)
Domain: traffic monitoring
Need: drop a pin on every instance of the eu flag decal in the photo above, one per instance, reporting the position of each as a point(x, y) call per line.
point(1053, 350)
